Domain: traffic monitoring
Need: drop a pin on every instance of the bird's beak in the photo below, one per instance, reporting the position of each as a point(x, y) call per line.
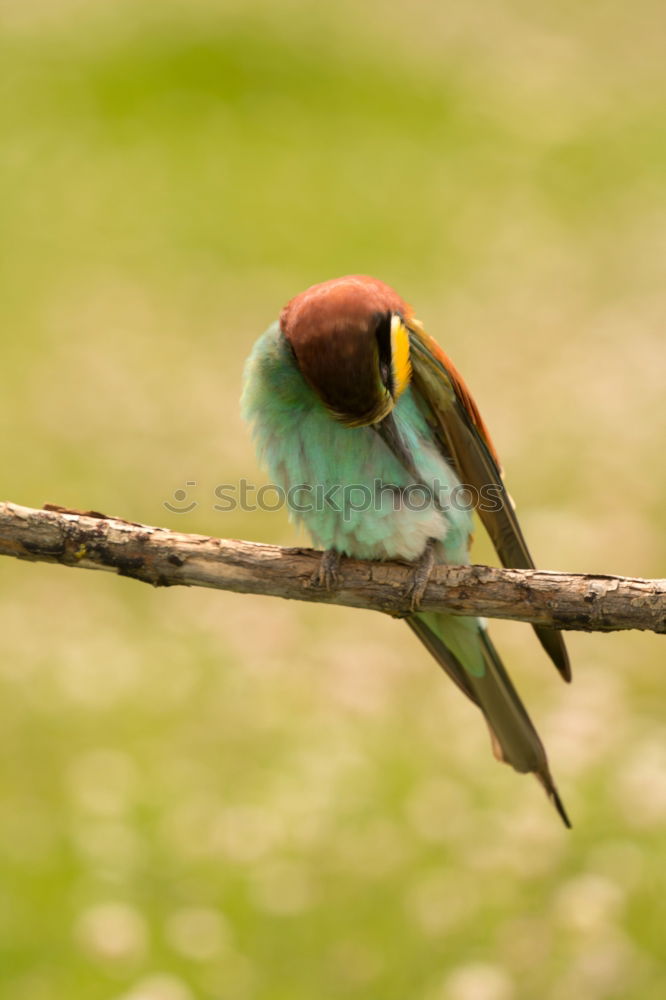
point(390, 435)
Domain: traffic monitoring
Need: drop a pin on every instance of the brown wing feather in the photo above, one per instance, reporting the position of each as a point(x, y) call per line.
point(464, 396)
point(464, 438)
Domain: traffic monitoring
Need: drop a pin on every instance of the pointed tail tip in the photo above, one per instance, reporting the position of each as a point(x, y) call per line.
point(553, 644)
point(560, 658)
point(547, 783)
point(557, 802)
point(565, 670)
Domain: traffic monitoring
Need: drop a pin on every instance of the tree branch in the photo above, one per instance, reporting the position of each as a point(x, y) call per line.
point(165, 558)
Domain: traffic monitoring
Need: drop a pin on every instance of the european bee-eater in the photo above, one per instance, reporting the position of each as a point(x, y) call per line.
point(356, 407)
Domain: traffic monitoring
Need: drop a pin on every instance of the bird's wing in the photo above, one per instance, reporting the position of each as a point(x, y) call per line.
point(464, 439)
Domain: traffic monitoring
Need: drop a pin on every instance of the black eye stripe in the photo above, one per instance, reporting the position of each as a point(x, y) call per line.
point(383, 334)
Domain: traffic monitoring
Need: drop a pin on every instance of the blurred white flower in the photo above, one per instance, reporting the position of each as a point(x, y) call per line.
point(476, 981)
point(159, 987)
point(589, 903)
point(438, 900)
point(198, 933)
point(609, 966)
point(246, 833)
point(113, 930)
point(589, 723)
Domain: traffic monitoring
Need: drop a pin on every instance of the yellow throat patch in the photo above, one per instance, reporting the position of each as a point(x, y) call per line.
point(400, 363)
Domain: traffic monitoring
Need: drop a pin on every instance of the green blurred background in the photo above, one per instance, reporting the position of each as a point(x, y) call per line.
point(205, 796)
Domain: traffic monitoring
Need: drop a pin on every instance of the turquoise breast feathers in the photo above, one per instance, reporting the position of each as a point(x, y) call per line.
point(357, 497)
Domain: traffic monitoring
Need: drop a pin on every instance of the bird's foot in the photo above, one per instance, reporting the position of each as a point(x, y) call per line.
point(327, 572)
point(423, 568)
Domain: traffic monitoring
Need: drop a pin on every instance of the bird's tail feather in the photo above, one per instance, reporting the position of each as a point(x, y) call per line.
point(464, 650)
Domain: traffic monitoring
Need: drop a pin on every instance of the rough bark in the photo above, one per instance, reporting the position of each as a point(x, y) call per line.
point(163, 558)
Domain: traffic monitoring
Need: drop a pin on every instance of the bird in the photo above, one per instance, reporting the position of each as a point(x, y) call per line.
point(367, 426)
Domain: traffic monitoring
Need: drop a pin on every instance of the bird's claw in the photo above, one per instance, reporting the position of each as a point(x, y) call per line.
point(420, 578)
point(327, 572)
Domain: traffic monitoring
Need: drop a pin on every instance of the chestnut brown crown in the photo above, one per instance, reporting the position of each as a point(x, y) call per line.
point(343, 335)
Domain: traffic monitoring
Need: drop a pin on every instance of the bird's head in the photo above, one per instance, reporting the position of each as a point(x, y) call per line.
point(351, 343)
